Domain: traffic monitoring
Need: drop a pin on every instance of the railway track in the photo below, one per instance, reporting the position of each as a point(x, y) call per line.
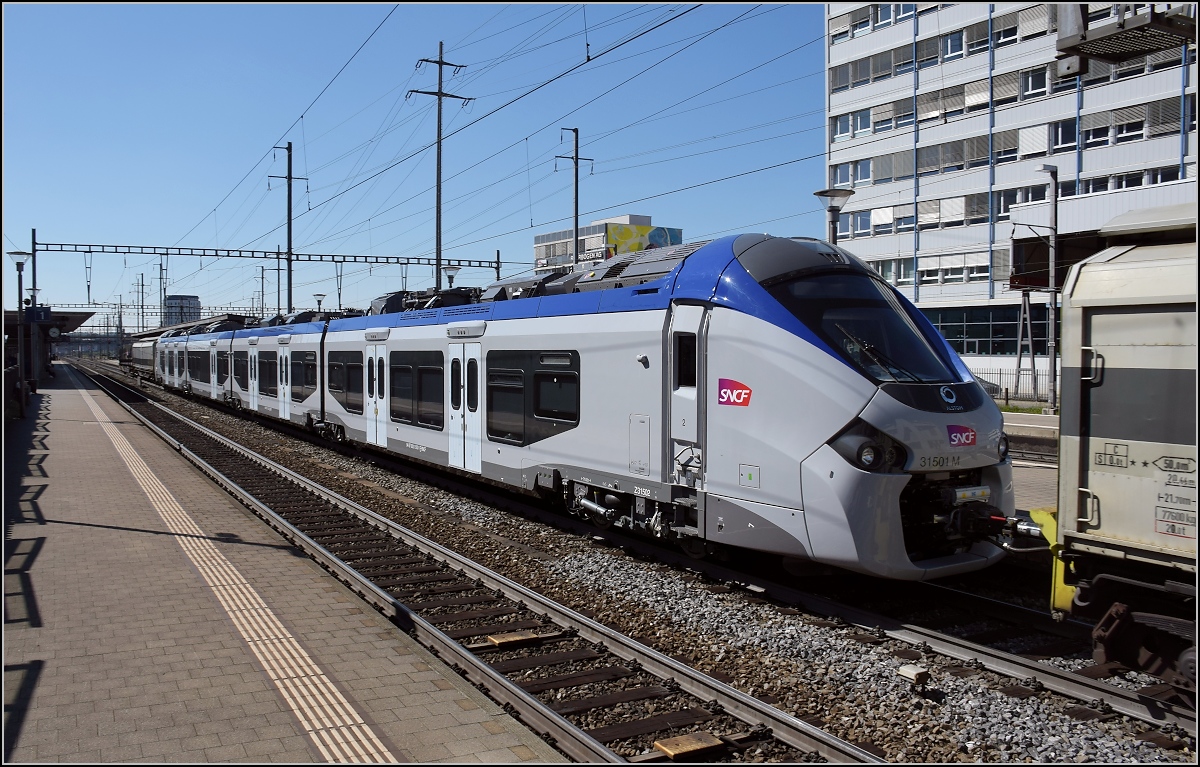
point(1099, 700)
point(584, 687)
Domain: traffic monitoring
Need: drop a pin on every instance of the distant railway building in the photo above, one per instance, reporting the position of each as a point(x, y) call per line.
point(600, 241)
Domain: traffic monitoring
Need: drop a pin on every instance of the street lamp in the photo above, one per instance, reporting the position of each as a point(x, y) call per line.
point(833, 200)
point(451, 272)
point(1053, 307)
point(320, 297)
point(19, 257)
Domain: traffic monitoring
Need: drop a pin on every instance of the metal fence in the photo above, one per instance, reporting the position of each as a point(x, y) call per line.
point(1007, 385)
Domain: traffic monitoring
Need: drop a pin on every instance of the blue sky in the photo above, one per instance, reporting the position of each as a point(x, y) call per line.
point(153, 125)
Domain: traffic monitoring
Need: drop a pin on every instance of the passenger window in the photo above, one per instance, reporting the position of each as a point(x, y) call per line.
point(382, 387)
point(685, 360)
point(455, 384)
point(506, 405)
point(402, 394)
point(556, 395)
point(431, 406)
point(472, 385)
point(370, 380)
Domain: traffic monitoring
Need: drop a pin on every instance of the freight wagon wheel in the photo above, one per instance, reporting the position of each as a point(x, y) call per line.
point(601, 521)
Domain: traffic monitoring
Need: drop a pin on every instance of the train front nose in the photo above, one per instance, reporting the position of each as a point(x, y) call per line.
point(871, 507)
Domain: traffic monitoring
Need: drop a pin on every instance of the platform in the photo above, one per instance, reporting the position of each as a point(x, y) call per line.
point(150, 617)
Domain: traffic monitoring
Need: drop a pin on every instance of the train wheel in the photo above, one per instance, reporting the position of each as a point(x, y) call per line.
point(694, 548)
point(602, 521)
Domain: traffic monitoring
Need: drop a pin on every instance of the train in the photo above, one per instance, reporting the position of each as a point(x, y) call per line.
point(1124, 534)
point(771, 394)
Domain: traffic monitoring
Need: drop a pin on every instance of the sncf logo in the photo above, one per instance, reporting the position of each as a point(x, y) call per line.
point(730, 392)
point(961, 436)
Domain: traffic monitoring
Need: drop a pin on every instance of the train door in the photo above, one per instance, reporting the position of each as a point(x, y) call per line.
point(375, 408)
point(253, 378)
point(284, 389)
point(466, 416)
point(685, 360)
point(215, 384)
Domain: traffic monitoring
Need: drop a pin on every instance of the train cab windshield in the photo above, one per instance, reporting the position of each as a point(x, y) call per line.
point(866, 324)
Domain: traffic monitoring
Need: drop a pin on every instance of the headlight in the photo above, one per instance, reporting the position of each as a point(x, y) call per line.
point(1002, 449)
point(868, 455)
point(867, 448)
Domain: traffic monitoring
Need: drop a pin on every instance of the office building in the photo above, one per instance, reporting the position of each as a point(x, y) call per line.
point(941, 118)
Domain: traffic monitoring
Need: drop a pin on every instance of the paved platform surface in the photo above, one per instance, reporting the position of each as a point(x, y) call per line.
point(149, 617)
point(1035, 485)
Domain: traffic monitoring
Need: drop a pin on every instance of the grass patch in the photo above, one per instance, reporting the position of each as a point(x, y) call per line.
point(1036, 410)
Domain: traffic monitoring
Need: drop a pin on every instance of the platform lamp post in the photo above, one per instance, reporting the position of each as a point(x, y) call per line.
point(1052, 318)
point(451, 273)
point(35, 348)
point(320, 297)
point(19, 257)
point(833, 200)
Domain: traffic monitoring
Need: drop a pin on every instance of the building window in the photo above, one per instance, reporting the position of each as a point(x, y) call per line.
point(883, 15)
point(906, 220)
point(1130, 131)
point(977, 273)
point(839, 78)
point(841, 128)
point(843, 224)
point(1094, 137)
point(862, 122)
point(977, 38)
point(1036, 193)
point(1005, 199)
point(887, 270)
point(1097, 72)
point(1033, 83)
point(1007, 154)
point(882, 125)
point(1093, 185)
point(860, 25)
point(1163, 175)
point(1127, 180)
point(1063, 85)
point(1135, 66)
point(1063, 135)
point(840, 174)
point(904, 271)
point(927, 52)
point(1066, 188)
point(952, 46)
point(904, 113)
point(1004, 30)
point(862, 223)
point(860, 72)
point(862, 171)
point(905, 11)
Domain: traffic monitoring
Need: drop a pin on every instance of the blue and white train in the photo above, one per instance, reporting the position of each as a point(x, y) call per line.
point(767, 393)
